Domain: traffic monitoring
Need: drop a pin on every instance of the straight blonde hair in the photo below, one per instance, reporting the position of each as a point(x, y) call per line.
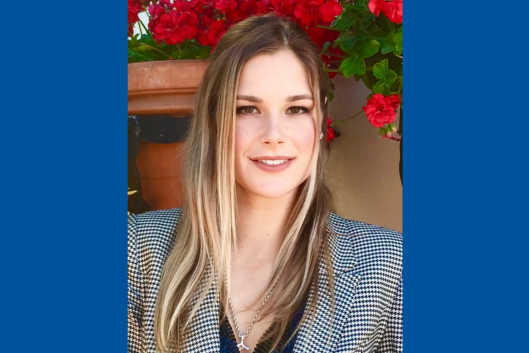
point(207, 231)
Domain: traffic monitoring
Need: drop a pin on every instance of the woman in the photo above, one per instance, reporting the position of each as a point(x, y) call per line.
point(255, 261)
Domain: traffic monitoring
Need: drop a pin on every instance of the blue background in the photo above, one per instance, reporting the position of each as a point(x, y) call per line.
point(63, 234)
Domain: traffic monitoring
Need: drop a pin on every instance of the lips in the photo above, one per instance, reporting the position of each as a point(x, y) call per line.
point(272, 163)
point(271, 158)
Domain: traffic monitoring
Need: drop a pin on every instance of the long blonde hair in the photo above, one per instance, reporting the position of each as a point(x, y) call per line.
point(207, 230)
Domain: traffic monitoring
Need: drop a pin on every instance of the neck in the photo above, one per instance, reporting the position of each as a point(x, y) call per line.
point(261, 224)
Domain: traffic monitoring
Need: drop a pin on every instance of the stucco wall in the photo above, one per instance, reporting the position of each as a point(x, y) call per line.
point(363, 168)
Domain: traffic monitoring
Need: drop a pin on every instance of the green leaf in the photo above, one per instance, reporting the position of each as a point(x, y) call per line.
point(368, 79)
point(389, 44)
point(382, 72)
point(349, 45)
point(359, 28)
point(353, 65)
point(370, 48)
point(331, 96)
point(397, 38)
point(381, 87)
point(396, 87)
point(346, 21)
point(386, 48)
point(325, 46)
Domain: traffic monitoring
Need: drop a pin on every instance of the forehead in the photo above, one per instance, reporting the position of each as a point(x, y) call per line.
point(274, 75)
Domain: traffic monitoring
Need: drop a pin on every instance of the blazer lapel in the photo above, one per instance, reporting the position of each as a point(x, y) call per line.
point(204, 326)
point(316, 338)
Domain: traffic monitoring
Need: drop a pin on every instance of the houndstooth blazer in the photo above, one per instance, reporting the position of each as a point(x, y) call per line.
point(367, 266)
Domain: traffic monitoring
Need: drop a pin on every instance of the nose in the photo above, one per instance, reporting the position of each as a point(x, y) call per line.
point(273, 131)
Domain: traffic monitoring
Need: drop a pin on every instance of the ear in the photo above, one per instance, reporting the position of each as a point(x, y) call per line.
point(325, 100)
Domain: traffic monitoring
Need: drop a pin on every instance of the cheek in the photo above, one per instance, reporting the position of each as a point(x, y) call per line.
point(304, 137)
point(241, 137)
point(243, 142)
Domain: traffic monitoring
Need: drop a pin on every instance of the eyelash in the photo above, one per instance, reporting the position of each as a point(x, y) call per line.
point(240, 110)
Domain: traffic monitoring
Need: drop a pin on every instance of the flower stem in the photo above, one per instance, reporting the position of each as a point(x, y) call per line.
point(325, 27)
point(331, 70)
point(343, 121)
point(147, 45)
point(338, 56)
point(146, 30)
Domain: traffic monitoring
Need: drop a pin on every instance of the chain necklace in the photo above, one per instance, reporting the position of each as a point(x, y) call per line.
point(241, 345)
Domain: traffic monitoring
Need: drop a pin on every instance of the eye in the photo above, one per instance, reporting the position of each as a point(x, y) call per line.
point(247, 109)
point(300, 110)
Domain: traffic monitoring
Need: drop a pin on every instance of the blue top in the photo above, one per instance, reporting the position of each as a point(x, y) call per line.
point(228, 344)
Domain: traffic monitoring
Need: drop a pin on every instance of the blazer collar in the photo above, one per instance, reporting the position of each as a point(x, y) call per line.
point(314, 337)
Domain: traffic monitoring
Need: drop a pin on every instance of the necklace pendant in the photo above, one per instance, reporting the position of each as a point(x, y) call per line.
point(241, 345)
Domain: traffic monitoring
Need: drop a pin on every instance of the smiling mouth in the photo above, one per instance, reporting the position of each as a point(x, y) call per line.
point(277, 160)
point(272, 162)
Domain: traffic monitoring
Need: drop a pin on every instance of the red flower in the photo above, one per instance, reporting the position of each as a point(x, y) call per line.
point(375, 6)
point(166, 29)
point(307, 11)
point(318, 35)
point(188, 24)
point(391, 8)
point(310, 11)
point(212, 35)
point(156, 11)
point(329, 11)
point(134, 7)
point(380, 110)
point(330, 132)
point(224, 5)
point(198, 5)
point(173, 27)
point(246, 9)
point(394, 101)
point(283, 7)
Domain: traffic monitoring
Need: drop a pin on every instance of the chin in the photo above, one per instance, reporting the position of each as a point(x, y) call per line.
point(272, 191)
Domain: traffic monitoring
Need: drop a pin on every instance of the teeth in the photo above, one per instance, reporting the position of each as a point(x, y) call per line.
point(276, 162)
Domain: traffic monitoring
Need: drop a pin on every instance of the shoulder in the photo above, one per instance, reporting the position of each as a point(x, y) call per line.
point(152, 233)
point(156, 221)
point(368, 265)
point(366, 245)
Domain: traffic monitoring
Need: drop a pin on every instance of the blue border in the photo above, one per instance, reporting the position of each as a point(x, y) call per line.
point(64, 144)
point(465, 150)
point(64, 177)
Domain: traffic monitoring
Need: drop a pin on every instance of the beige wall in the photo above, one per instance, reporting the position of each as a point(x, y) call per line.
point(363, 169)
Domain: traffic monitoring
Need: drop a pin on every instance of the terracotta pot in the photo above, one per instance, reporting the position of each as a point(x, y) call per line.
point(162, 88)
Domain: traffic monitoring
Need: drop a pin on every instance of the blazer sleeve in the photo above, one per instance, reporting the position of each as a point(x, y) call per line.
point(392, 339)
point(134, 303)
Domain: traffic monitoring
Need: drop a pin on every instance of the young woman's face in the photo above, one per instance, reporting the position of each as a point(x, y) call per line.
point(275, 125)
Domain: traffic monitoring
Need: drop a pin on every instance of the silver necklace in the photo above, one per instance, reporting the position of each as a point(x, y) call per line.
point(241, 345)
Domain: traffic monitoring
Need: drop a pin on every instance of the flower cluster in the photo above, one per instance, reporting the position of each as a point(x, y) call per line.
point(330, 132)
point(391, 8)
point(134, 8)
point(174, 21)
point(360, 38)
point(382, 110)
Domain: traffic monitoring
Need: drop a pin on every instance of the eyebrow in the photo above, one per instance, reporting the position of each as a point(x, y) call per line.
point(289, 99)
